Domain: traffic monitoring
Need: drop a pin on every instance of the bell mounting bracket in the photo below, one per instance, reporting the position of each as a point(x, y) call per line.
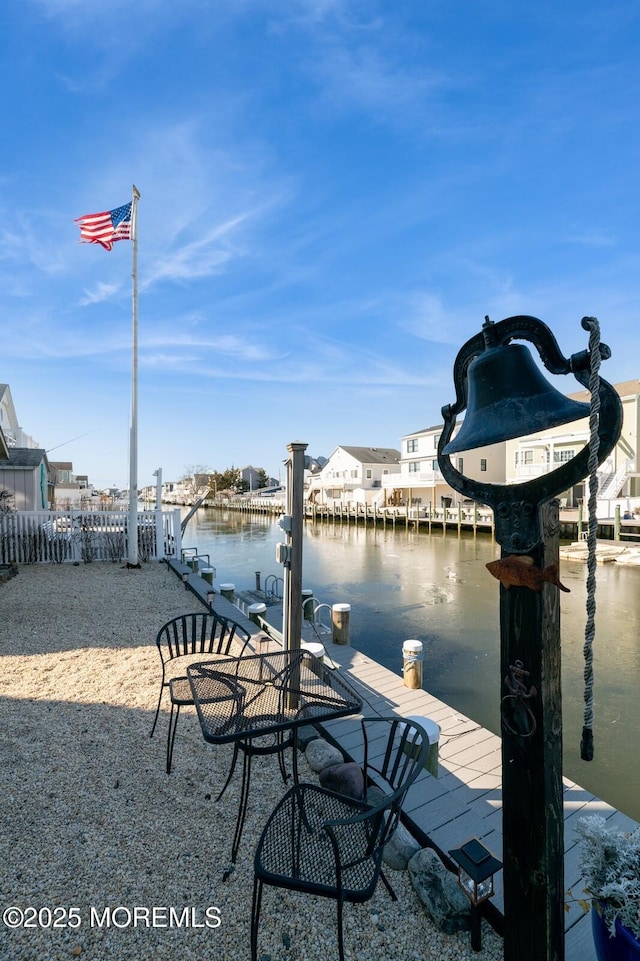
point(516, 507)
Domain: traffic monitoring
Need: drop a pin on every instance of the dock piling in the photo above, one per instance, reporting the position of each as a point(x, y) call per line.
point(340, 616)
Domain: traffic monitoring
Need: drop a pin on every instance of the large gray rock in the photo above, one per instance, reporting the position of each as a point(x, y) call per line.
point(320, 754)
point(399, 850)
point(306, 734)
point(346, 778)
point(402, 846)
point(439, 892)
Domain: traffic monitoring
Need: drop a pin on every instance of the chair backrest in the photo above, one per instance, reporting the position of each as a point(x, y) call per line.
point(200, 633)
point(396, 751)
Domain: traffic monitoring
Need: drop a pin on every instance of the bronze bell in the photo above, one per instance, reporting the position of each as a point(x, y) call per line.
point(509, 397)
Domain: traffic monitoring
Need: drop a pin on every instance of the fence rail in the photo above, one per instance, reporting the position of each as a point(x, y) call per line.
point(37, 537)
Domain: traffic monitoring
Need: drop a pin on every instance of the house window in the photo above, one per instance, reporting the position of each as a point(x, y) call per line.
point(524, 457)
point(414, 466)
point(461, 465)
point(369, 473)
point(434, 465)
point(412, 445)
point(483, 463)
point(436, 439)
point(354, 473)
point(561, 456)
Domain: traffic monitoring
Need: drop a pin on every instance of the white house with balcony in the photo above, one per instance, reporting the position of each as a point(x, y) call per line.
point(618, 477)
point(420, 484)
point(354, 475)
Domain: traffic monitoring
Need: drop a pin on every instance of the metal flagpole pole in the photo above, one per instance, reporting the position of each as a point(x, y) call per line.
point(133, 431)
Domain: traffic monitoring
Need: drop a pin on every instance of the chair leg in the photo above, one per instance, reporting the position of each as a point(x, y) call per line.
point(255, 916)
point(387, 885)
point(155, 720)
point(231, 770)
point(281, 763)
point(171, 734)
point(340, 904)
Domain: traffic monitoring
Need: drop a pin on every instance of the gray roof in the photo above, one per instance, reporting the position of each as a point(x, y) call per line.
point(24, 457)
point(373, 455)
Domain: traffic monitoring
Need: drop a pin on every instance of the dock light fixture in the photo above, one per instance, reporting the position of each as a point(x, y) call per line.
point(476, 869)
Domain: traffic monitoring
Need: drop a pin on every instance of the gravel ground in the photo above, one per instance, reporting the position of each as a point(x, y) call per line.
point(95, 835)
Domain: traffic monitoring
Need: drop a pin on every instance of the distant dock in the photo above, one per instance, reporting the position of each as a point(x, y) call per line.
point(470, 518)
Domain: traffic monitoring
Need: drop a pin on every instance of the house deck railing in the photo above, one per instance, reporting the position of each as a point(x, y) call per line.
point(37, 537)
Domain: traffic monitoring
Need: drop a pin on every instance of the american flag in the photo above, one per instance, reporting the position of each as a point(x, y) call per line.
point(107, 227)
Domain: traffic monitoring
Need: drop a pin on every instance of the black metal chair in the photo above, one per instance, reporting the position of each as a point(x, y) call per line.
point(322, 843)
point(202, 633)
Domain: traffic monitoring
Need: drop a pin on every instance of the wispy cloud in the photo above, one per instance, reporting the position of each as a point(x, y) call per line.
point(100, 293)
point(591, 237)
point(202, 349)
point(198, 258)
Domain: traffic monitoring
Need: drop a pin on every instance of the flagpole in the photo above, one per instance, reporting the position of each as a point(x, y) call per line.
point(133, 431)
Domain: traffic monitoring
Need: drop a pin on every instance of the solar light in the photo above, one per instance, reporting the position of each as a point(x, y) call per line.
point(476, 869)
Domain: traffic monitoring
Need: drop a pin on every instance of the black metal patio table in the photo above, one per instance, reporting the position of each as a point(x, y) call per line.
point(258, 703)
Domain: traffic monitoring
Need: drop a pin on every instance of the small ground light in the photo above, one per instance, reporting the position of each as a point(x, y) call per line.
point(476, 869)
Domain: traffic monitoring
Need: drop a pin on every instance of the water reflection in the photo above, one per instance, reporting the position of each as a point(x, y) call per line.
point(406, 584)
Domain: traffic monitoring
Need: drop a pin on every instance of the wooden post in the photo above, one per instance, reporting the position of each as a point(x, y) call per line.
point(616, 523)
point(292, 608)
point(531, 715)
point(412, 664)
point(340, 619)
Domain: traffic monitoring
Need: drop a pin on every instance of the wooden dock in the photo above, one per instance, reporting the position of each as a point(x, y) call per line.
point(466, 798)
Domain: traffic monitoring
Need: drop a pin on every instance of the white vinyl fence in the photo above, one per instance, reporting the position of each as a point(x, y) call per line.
point(35, 537)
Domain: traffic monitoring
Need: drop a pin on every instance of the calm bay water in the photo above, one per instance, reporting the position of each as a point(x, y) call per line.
point(406, 584)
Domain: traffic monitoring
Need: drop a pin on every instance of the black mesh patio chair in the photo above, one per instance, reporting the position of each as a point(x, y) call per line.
point(191, 635)
point(323, 843)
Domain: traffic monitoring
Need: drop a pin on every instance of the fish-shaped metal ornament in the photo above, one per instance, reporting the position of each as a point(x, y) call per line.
point(520, 571)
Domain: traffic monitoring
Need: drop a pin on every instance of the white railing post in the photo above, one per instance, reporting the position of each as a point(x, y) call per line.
point(177, 534)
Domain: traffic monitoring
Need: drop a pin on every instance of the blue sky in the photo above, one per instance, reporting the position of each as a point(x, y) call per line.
point(334, 194)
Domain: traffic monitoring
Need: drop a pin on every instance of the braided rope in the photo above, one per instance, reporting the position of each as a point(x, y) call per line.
point(591, 324)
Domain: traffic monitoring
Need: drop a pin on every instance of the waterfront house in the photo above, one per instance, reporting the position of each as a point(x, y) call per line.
point(72, 491)
point(13, 433)
point(618, 477)
point(419, 483)
point(354, 475)
point(24, 468)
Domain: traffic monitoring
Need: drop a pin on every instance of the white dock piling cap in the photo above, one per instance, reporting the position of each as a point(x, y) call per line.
point(341, 607)
point(227, 587)
point(313, 647)
point(411, 648)
point(257, 608)
point(432, 729)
